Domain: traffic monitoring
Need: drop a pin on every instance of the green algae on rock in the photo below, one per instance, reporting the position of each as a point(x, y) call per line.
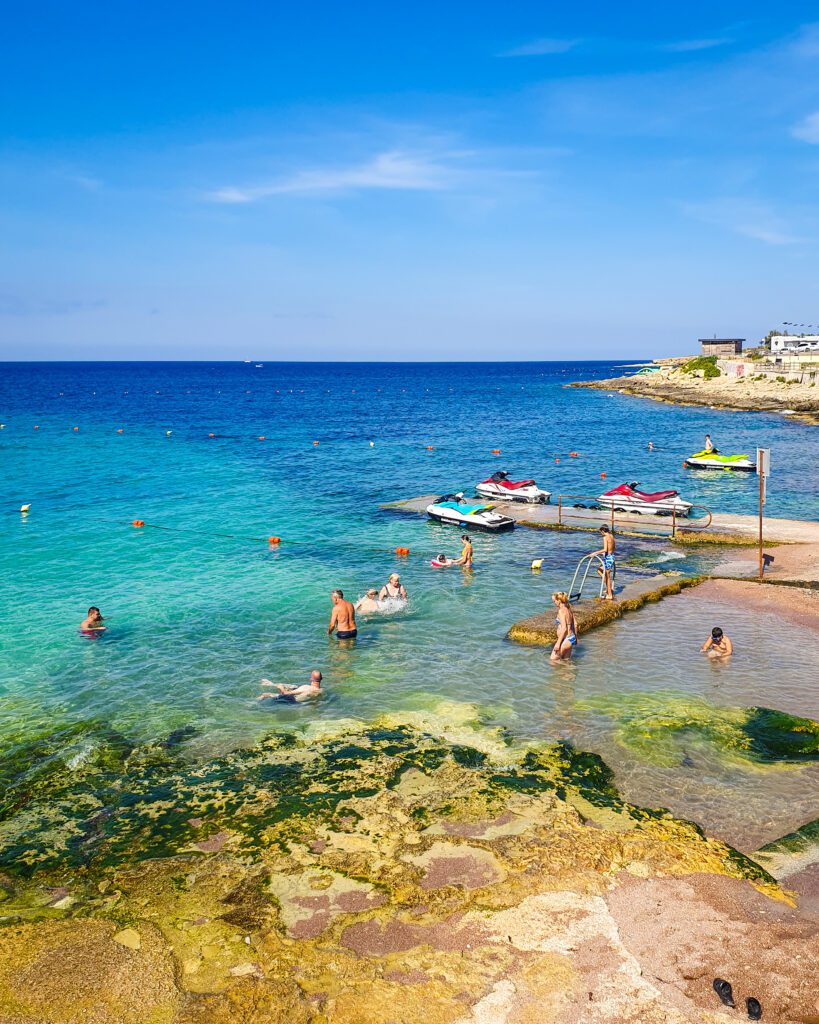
point(334, 879)
point(653, 726)
point(791, 853)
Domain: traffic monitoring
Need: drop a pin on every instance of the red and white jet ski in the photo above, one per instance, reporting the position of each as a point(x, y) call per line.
point(500, 488)
point(626, 498)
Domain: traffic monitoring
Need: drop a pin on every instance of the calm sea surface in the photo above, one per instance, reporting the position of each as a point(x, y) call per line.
point(200, 607)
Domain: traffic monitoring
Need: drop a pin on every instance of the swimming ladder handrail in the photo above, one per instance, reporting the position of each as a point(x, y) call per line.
point(575, 595)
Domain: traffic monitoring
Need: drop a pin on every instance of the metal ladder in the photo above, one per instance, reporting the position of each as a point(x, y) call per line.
point(575, 595)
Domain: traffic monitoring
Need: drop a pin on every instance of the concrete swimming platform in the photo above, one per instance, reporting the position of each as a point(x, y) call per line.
point(724, 527)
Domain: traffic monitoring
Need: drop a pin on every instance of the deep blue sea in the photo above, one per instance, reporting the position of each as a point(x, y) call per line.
point(200, 607)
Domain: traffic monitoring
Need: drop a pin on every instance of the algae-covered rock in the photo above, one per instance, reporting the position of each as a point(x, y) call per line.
point(791, 853)
point(397, 873)
point(654, 726)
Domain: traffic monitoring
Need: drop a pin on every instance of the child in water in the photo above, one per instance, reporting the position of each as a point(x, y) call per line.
point(718, 645)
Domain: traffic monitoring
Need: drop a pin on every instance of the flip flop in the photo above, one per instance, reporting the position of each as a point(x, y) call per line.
point(725, 992)
point(754, 1008)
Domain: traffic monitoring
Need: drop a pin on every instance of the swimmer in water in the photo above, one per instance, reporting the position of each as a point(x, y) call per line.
point(299, 694)
point(566, 628)
point(651, 446)
point(342, 618)
point(393, 589)
point(368, 603)
point(441, 559)
point(92, 623)
point(718, 645)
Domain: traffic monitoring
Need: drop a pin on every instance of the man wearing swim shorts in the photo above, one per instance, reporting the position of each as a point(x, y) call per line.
point(342, 618)
point(607, 552)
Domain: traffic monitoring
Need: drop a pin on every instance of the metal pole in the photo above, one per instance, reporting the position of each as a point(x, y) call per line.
point(673, 520)
point(612, 517)
point(761, 501)
point(560, 510)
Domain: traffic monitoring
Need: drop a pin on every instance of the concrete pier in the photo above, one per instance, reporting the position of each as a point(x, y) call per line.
point(725, 527)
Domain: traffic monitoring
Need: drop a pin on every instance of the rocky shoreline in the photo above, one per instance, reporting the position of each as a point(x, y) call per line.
point(410, 871)
point(673, 385)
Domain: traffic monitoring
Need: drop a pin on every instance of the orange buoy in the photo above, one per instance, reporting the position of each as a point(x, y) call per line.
point(138, 522)
point(430, 448)
point(402, 551)
point(315, 442)
point(261, 437)
point(119, 430)
point(211, 435)
point(37, 428)
point(602, 476)
point(76, 428)
point(573, 455)
point(496, 451)
point(274, 540)
point(557, 460)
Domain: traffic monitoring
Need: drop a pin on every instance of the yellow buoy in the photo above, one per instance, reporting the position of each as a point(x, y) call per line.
point(537, 564)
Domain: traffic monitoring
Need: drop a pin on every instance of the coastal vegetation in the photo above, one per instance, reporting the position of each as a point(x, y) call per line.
point(704, 366)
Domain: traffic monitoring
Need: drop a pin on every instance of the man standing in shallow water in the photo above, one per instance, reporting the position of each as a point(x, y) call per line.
point(342, 618)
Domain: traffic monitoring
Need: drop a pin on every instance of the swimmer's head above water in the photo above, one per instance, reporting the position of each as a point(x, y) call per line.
point(716, 634)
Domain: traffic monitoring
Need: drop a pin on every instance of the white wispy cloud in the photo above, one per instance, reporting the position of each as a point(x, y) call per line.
point(541, 48)
point(746, 217)
point(394, 169)
point(693, 45)
point(807, 129)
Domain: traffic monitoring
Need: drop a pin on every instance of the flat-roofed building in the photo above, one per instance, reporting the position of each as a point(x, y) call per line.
point(722, 346)
point(794, 342)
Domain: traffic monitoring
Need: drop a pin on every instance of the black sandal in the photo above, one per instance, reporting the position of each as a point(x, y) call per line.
point(754, 1008)
point(726, 994)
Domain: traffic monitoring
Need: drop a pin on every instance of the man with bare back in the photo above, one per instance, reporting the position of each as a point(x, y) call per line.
point(342, 619)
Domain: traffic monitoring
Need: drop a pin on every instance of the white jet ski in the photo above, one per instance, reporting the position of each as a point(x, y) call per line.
point(451, 508)
point(501, 488)
point(626, 498)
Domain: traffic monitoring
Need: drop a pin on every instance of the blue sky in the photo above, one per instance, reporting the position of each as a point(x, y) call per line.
point(363, 181)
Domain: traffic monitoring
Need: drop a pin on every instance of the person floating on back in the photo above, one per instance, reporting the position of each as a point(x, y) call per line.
point(607, 553)
point(342, 618)
point(299, 694)
point(718, 645)
point(93, 622)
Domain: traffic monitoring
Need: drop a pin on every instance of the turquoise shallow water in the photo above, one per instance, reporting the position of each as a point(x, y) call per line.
point(199, 606)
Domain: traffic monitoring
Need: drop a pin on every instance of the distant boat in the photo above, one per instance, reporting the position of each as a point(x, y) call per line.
point(259, 366)
point(247, 360)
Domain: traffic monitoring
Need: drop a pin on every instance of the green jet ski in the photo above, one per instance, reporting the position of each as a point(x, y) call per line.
point(716, 460)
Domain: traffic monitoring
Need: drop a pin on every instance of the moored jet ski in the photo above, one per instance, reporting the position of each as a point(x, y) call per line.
point(626, 498)
point(501, 488)
point(451, 508)
point(716, 460)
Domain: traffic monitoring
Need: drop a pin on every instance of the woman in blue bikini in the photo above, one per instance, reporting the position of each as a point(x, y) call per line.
point(566, 628)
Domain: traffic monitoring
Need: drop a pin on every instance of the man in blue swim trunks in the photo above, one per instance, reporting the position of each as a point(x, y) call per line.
point(342, 618)
point(607, 552)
